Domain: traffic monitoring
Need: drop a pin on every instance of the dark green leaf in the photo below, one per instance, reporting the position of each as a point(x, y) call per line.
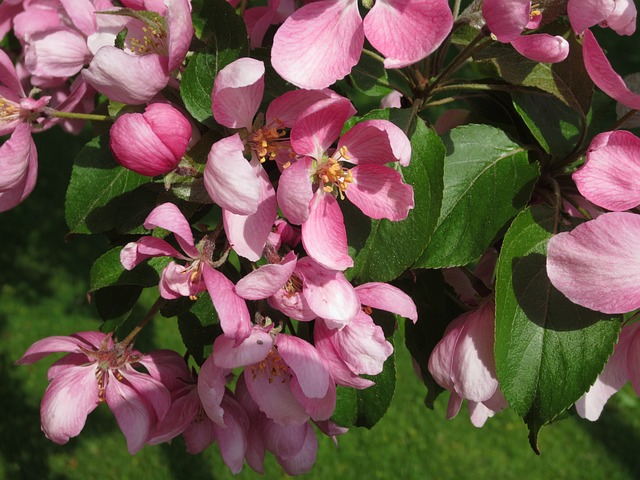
point(94, 197)
point(199, 327)
point(487, 181)
point(391, 247)
point(370, 77)
point(548, 350)
point(115, 304)
point(346, 411)
point(108, 270)
point(225, 37)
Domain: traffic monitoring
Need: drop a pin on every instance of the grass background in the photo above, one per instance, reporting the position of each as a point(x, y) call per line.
point(43, 286)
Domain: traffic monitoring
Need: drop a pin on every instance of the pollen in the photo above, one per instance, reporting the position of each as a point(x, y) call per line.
point(266, 142)
point(8, 108)
point(334, 176)
point(273, 367)
point(293, 286)
point(154, 38)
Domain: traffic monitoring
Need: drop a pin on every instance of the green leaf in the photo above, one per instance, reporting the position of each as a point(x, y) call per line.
point(487, 181)
point(225, 36)
point(548, 350)
point(346, 411)
point(199, 327)
point(115, 304)
point(370, 77)
point(373, 402)
point(391, 247)
point(555, 126)
point(94, 201)
point(108, 270)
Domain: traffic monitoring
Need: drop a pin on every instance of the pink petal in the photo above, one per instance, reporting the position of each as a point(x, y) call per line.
point(600, 71)
point(198, 435)
point(623, 18)
point(82, 14)
point(266, 280)
point(169, 217)
point(135, 253)
point(292, 305)
point(324, 235)
point(69, 398)
point(289, 106)
point(378, 191)
point(237, 93)
point(542, 47)
point(127, 78)
point(316, 408)
point(319, 43)
point(211, 387)
point(232, 439)
point(254, 349)
point(597, 265)
point(62, 53)
point(19, 162)
point(40, 349)
point(248, 233)
point(319, 126)
point(387, 297)
point(311, 372)
point(176, 281)
point(441, 361)
point(610, 176)
point(232, 310)
point(368, 142)
point(180, 31)
point(170, 126)
point(132, 413)
point(506, 19)
point(151, 390)
point(587, 13)
point(295, 191)
point(328, 293)
point(229, 179)
point(168, 367)
point(362, 345)
point(8, 75)
point(406, 31)
point(303, 461)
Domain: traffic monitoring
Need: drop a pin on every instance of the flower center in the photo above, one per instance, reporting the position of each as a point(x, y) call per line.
point(273, 367)
point(267, 142)
point(293, 286)
point(154, 38)
point(8, 110)
point(333, 175)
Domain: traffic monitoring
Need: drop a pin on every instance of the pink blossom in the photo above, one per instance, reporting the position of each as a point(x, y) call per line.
point(308, 189)
point(603, 75)
point(320, 43)
point(97, 370)
point(597, 265)
point(286, 376)
point(507, 19)
point(463, 363)
point(610, 176)
point(621, 368)
point(161, 136)
point(196, 275)
point(137, 73)
point(259, 19)
point(302, 289)
point(294, 446)
point(619, 15)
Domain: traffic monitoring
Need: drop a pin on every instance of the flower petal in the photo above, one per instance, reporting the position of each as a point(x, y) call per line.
point(506, 19)
point(19, 166)
point(542, 47)
point(295, 191)
point(266, 280)
point(307, 365)
point(387, 297)
point(169, 217)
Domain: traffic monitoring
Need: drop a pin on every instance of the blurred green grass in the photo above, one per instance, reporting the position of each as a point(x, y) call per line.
point(43, 292)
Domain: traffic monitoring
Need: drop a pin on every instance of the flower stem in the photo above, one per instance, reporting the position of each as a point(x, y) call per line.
point(138, 328)
point(79, 116)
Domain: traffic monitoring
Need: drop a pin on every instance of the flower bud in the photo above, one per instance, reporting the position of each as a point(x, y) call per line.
point(151, 143)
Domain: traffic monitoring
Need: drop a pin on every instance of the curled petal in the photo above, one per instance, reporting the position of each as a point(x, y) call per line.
point(290, 105)
point(266, 280)
point(305, 361)
point(232, 439)
point(19, 166)
point(597, 264)
point(603, 75)
point(295, 191)
point(542, 47)
point(387, 297)
point(180, 31)
point(237, 93)
point(169, 217)
point(252, 350)
point(135, 253)
point(211, 387)
point(506, 18)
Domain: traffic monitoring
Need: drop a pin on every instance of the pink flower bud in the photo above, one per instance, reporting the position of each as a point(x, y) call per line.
point(151, 143)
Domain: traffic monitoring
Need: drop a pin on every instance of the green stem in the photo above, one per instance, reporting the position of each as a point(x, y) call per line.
point(78, 116)
point(138, 328)
point(456, 9)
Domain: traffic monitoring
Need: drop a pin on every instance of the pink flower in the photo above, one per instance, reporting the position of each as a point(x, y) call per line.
point(320, 43)
point(97, 370)
point(597, 265)
point(621, 368)
point(286, 376)
point(294, 446)
point(308, 189)
point(360, 346)
point(463, 363)
point(137, 73)
point(619, 15)
point(161, 136)
point(610, 178)
point(507, 19)
point(197, 275)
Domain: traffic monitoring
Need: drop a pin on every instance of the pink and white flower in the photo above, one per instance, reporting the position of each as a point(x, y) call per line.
point(619, 15)
point(320, 42)
point(308, 189)
point(97, 370)
point(463, 363)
